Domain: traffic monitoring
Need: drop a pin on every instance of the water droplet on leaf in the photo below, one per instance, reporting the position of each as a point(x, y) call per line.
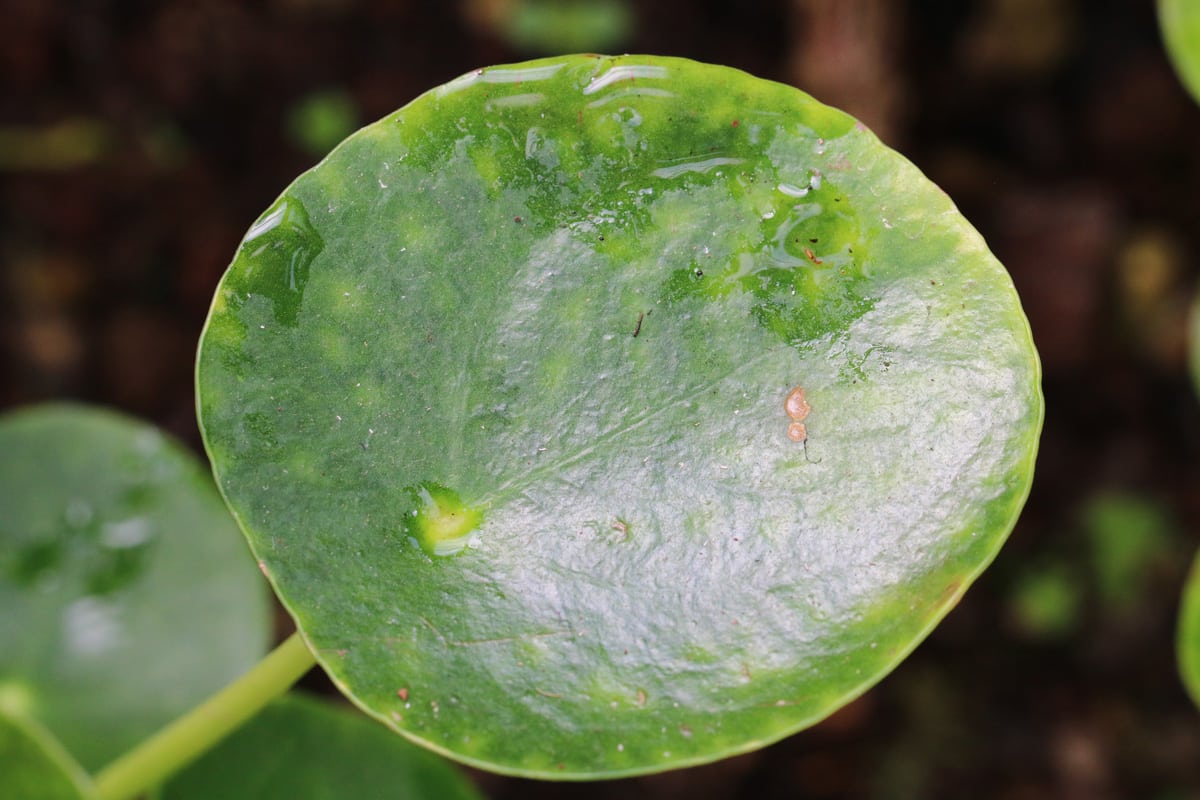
point(439, 522)
point(282, 245)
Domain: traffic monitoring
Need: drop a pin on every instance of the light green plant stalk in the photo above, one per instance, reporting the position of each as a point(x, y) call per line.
point(177, 745)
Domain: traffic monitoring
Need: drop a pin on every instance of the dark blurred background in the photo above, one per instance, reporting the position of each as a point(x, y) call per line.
point(139, 140)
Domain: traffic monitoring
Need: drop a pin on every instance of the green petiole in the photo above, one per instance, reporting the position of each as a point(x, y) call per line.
point(188, 737)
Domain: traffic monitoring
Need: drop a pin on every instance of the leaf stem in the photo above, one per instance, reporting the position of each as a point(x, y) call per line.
point(183, 740)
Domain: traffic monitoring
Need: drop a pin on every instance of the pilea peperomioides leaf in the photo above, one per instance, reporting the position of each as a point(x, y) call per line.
point(126, 591)
point(34, 766)
point(503, 395)
point(1179, 21)
point(301, 747)
point(1187, 638)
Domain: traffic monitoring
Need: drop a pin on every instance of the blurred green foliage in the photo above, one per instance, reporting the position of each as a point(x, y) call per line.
point(318, 121)
point(1128, 535)
point(1127, 541)
point(568, 26)
point(1187, 637)
point(1180, 22)
point(1046, 602)
point(62, 146)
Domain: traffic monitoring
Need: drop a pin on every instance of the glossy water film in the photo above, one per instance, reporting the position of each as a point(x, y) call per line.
point(278, 251)
point(704, 353)
point(439, 522)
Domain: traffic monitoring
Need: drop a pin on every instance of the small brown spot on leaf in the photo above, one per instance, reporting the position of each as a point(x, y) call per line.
point(796, 405)
point(797, 408)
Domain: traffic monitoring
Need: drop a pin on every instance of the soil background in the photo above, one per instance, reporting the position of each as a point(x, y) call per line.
point(139, 140)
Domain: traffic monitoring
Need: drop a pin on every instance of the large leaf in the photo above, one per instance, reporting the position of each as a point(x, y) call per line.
point(300, 747)
point(34, 766)
point(1180, 23)
point(498, 393)
point(127, 593)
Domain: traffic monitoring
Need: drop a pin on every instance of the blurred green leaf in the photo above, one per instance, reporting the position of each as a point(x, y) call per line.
point(1047, 602)
point(569, 26)
point(1180, 23)
point(65, 145)
point(1128, 535)
point(322, 119)
point(127, 591)
point(301, 747)
point(34, 766)
point(1187, 643)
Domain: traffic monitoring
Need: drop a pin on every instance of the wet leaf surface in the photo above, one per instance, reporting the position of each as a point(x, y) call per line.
point(502, 393)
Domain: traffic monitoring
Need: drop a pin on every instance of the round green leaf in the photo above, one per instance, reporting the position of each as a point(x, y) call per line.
point(503, 395)
point(34, 766)
point(1180, 23)
point(128, 595)
point(1187, 645)
point(302, 747)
